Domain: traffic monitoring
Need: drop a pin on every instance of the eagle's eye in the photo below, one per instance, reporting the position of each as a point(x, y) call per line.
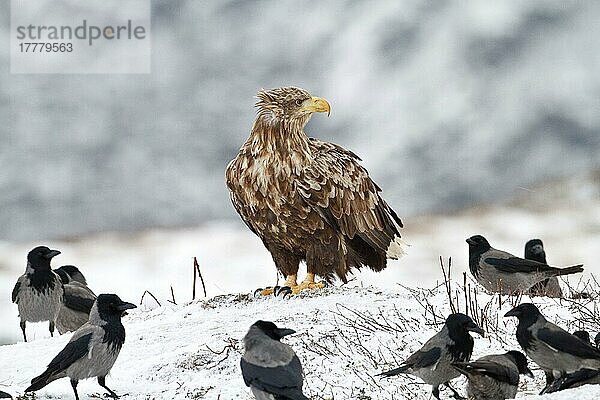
point(298, 102)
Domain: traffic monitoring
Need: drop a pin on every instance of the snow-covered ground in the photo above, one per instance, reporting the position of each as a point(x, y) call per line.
point(345, 336)
point(565, 214)
point(166, 354)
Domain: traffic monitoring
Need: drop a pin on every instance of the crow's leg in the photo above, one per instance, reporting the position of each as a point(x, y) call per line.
point(436, 392)
point(23, 323)
point(51, 328)
point(102, 382)
point(454, 392)
point(74, 386)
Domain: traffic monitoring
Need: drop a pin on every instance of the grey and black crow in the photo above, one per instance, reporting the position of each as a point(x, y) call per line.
point(534, 250)
point(433, 362)
point(270, 368)
point(39, 291)
point(92, 350)
point(583, 335)
point(550, 346)
point(76, 304)
point(578, 378)
point(499, 271)
point(494, 377)
point(72, 273)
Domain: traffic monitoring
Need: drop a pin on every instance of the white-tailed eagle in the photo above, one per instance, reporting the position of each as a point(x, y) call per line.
point(308, 199)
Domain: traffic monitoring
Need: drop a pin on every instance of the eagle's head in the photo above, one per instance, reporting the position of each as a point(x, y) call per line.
point(289, 104)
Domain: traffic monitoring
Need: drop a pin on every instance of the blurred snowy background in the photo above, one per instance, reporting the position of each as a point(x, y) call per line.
point(475, 117)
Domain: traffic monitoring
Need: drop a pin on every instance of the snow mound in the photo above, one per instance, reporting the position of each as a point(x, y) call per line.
point(345, 336)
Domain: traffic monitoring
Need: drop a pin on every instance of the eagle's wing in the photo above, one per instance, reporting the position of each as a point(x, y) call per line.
point(231, 176)
point(340, 189)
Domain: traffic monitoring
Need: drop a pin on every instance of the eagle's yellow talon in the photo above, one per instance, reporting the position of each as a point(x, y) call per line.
point(265, 292)
point(308, 283)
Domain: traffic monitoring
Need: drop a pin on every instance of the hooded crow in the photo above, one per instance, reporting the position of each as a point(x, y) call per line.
point(270, 368)
point(534, 250)
point(578, 378)
point(433, 362)
point(550, 346)
point(499, 271)
point(494, 377)
point(92, 350)
point(76, 304)
point(583, 335)
point(72, 273)
point(39, 291)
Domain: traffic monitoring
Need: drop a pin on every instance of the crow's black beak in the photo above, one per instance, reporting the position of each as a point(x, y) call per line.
point(473, 327)
point(515, 312)
point(470, 241)
point(125, 306)
point(282, 332)
point(51, 254)
point(529, 373)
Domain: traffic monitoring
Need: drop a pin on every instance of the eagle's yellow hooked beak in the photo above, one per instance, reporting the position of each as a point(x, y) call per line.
point(316, 104)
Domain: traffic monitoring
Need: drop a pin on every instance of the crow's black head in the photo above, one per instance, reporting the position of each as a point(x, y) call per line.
point(478, 242)
point(73, 272)
point(524, 311)
point(39, 257)
point(521, 362)
point(534, 250)
point(527, 314)
point(64, 277)
point(583, 335)
point(461, 323)
point(110, 305)
point(271, 330)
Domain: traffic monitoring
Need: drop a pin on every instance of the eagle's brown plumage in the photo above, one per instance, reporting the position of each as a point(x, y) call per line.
point(307, 199)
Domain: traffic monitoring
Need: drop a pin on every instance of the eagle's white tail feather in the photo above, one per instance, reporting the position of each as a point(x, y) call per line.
point(395, 250)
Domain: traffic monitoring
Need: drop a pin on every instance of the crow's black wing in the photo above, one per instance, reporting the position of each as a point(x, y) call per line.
point(284, 380)
point(73, 351)
point(492, 369)
point(516, 264)
point(77, 303)
point(565, 342)
point(15, 291)
point(580, 377)
point(422, 359)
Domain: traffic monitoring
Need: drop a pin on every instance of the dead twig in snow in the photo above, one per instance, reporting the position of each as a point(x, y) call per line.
point(196, 269)
point(153, 296)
